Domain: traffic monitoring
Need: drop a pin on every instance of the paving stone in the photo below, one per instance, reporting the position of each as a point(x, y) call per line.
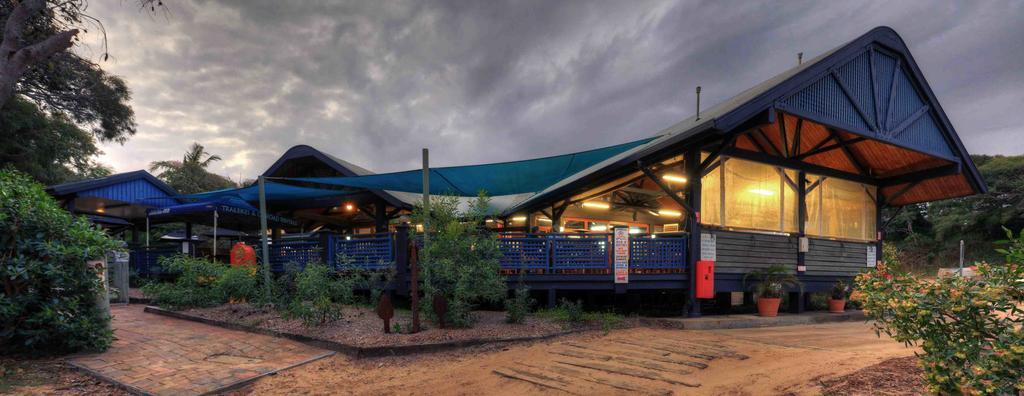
point(166, 356)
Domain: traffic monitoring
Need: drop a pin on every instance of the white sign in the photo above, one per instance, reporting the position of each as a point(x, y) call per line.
point(708, 247)
point(872, 257)
point(621, 254)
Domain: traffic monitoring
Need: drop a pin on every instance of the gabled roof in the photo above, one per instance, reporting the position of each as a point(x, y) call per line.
point(343, 167)
point(136, 185)
point(784, 91)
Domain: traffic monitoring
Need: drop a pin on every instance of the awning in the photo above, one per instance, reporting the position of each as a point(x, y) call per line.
point(232, 213)
point(496, 179)
point(274, 192)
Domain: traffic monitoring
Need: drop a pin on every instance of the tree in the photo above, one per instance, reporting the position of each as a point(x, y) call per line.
point(189, 175)
point(461, 260)
point(35, 61)
point(50, 148)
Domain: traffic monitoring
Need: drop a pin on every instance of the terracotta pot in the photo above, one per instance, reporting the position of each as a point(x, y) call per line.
point(836, 306)
point(768, 307)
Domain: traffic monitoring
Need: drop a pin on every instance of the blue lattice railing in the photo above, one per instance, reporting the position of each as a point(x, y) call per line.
point(572, 252)
point(368, 252)
point(657, 253)
point(523, 253)
point(297, 252)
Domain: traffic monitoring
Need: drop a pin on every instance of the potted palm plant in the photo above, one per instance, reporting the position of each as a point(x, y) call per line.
point(769, 285)
point(837, 297)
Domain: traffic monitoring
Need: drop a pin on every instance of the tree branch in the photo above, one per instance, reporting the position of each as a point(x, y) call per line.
point(15, 26)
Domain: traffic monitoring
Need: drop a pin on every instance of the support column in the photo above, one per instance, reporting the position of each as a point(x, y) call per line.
point(801, 220)
point(187, 244)
point(380, 216)
point(693, 189)
point(402, 258)
point(879, 232)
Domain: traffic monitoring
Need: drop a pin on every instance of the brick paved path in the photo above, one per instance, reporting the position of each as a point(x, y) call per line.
point(165, 356)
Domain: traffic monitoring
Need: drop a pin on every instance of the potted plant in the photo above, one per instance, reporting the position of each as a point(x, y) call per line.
point(837, 297)
point(770, 283)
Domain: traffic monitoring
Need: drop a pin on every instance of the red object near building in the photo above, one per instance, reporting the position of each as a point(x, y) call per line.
point(705, 285)
point(243, 255)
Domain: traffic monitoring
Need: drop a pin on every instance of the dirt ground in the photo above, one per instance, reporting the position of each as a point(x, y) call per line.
point(794, 360)
point(49, 377)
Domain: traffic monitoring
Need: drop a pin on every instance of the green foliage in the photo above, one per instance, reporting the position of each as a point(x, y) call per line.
point(771, 281)
point(517, 307)
point(189, 175)
point(49, 147)
point(461, 259)
point(237, 284)
point(47, 303)
point(840, 290)
point(319, 296)
point(195, 285)
point(572, 314)
point(970, 329)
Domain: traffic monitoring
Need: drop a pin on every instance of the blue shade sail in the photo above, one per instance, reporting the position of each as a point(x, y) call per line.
point(504, 178)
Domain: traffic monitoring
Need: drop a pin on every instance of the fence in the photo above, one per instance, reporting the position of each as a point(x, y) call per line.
point(573, 253)
point(536, 253)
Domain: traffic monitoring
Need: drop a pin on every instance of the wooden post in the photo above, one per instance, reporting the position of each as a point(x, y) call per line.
point(188, 239)
point(879, 232)
point(402, 257)
point(380, 216)
point(691, 162)
point(264, 243)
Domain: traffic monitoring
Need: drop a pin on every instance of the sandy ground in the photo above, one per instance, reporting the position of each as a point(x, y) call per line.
point(782, 360)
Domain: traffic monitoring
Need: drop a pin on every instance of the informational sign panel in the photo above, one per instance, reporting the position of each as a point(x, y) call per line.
point(872, 257)
point(621, 243)
point(708, 247)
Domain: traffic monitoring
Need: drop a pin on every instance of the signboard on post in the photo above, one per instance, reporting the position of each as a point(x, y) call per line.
point(871, 256)
point(621, 257)
point(708, 247)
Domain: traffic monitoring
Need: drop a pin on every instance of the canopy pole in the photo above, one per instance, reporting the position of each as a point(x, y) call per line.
point(215, 235)
point(265, 249)
point(414, 292)
point(147, 229)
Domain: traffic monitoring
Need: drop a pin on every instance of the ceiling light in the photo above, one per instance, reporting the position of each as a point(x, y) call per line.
point(667, 212)
point(599, 228)
point(596, 205)
point(761, 191)
point(544, 219)
point(674, 178)
point(349, 207)
point(519, 218)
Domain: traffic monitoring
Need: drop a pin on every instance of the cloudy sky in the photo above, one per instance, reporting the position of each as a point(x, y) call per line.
point(373, 82)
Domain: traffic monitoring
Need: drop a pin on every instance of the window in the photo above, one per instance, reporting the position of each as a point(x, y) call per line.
point(750, 195)
point(840, 209)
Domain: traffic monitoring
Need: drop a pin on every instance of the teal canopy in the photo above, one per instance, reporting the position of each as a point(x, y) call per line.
point(503, 178)
point(274, 191)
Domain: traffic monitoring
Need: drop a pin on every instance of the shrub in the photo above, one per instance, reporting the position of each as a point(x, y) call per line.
point(573, 310)
point(318, 295)
point(970, 329)
point(194, 285)
point(839, 290)
point(48, 300)
point(518, 306)
point(237, 284)
point(461, 260)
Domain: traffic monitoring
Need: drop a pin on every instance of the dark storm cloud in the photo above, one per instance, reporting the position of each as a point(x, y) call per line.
point(373, 82)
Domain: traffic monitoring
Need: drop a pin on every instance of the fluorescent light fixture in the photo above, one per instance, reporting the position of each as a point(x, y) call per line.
point(489, 221)
point(674, 178)
point(596, 205)
point(667, 212)
point(544, 219)
point(519, 218)
point(635, 231)
point(599, 228)
point(761, 191)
